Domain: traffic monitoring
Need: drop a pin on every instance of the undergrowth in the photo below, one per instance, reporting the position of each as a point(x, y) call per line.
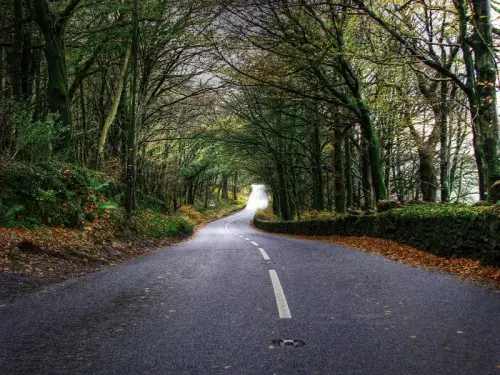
point(52, 194)
point(150, 223)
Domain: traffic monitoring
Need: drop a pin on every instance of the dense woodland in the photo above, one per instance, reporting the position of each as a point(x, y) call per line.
point(332, 104)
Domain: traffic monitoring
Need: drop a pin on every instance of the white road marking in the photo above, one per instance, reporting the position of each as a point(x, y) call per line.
point(283, 309)
point(264, 254)
point(227, 225)
point(248, 239)
point(254, 243)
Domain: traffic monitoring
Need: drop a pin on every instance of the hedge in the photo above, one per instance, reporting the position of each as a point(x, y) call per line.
point(461, 234)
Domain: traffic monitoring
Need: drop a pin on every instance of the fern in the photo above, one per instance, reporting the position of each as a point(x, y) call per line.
point(8, 215)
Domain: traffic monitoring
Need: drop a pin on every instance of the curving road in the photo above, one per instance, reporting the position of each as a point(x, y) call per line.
point(234, 300)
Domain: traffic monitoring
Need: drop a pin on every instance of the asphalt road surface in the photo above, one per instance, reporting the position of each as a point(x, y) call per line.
point(234, 300)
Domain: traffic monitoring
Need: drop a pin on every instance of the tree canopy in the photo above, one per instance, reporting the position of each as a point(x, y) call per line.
point(332, 104)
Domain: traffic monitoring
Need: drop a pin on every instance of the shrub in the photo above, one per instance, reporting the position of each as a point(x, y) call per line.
point(149, 223)
point(191, 213)
point(10, 216)
point(51, 193)
point(33, 138)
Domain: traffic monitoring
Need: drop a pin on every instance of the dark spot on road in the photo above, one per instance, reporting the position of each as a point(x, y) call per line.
point(288, 343)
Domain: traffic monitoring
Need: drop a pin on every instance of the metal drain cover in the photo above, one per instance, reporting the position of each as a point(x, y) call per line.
point(288, 343)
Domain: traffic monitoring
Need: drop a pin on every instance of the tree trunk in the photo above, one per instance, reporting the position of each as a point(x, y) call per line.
point(114, 107)
point(123, 118)
point(57, 90)
point(474, 85)
point(317, 175)
point(349, 185)
point(190, 193)
point(387, 166)
point(207, 191)
point(443, 141)
point(295, 192)
point(235, 186)
point(37, 112)
point(487, 118)
point(283, 191)
point(130, 201)
point(366, 176)
point(83, 142)
point(339, 171)
point(52, 27)
point(3, 94)
point(329, 191)
point(18, 49)
point(224, 185)
point(275, 200)
point(373, 149)
point(427, 174)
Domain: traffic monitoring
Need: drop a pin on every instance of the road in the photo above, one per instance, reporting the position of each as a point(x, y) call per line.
point(216, 305)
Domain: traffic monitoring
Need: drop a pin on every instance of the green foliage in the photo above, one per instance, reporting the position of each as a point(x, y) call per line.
point(319, 215)
point(145, 201)
point(445, 230)
point(149, 223)
point(238, 202)
point(10, 216)
point(35, 138)
point(194, 169)
point(440, 210)
point(51, 194)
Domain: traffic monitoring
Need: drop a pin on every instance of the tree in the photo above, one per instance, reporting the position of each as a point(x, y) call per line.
point(479, 65)
point(52, 26)
point(130, 175)
point(297, 36)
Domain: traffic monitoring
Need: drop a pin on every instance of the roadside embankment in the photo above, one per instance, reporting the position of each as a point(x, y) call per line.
point(59, 221)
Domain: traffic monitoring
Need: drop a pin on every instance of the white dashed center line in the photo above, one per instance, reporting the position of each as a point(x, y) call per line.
point(264, 254)
point(227, 225)
point(283, 309)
